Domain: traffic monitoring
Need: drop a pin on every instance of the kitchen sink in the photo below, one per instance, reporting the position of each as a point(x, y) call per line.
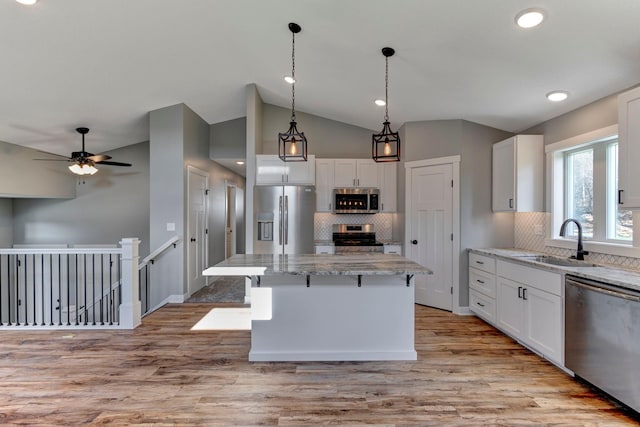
point(563, 262)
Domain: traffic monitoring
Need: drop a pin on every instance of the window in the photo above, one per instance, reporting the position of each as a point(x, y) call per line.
point(584, 186)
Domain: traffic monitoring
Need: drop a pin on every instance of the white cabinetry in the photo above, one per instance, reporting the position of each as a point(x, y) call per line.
point(325, 249)
point(530, 308)
point(392, 249)
point(482, 287)
point(387, 178)
point(355, 173)
point(270, 170)
point(324, 184)
point(518, 174)
point(629, 148)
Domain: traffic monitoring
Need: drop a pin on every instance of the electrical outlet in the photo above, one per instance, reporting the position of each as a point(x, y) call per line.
point(538, 230)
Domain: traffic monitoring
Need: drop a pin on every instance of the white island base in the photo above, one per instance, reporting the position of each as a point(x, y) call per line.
point(333, 319)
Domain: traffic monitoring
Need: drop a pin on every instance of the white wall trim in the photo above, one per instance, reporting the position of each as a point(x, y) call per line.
point(171, 299)
point(434, 162)
point(584, 138)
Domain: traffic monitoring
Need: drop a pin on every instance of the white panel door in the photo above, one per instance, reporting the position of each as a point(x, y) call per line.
point(196, 226)
point(431, 222)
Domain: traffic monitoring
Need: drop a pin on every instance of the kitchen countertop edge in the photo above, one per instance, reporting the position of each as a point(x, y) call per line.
point(608, 274)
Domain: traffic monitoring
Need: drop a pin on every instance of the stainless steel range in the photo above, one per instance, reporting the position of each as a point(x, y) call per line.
point(355, 238)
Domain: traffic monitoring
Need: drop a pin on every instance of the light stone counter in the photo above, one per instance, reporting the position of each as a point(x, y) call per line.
point(362, 264)
point(608, 274)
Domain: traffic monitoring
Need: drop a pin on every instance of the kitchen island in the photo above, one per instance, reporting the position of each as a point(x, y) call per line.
point(328, 307)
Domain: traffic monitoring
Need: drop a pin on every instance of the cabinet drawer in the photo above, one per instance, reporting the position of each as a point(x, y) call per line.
point(482, 282)
point(393, 249)
point(482, 262)
point(483, 306)
point(536, 277)
point(325, 249)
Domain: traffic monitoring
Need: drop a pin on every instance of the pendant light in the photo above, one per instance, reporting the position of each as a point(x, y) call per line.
point(292, 145)
point(386, 144)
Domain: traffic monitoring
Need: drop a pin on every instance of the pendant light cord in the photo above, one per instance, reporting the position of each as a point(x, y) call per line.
point(293, 76)
point(386, 88)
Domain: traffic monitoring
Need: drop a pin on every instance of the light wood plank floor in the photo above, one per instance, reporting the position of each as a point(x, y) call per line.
point(468, 374)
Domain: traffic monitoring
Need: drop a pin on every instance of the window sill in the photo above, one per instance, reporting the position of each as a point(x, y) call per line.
point(599, 247)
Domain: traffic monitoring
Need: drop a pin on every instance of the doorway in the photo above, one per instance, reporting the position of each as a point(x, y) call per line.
point(197, 244)
point(432, 228)
point(230, 221)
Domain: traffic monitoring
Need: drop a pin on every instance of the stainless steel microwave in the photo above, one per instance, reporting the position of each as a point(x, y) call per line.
point(356, 200)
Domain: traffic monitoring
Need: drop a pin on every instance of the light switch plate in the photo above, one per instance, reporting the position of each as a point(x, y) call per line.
point(171, 226)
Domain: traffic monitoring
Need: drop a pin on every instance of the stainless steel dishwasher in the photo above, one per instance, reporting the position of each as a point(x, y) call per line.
point(602, 337)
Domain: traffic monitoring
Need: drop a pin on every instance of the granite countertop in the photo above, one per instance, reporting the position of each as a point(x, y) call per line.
point(629, 279)
point(369, 264)
point(323, 242)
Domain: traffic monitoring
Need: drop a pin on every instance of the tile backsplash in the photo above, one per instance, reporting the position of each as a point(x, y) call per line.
point(323, 224)
point(530, 231)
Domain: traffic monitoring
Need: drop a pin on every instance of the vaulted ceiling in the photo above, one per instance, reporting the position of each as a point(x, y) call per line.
point(105, 64)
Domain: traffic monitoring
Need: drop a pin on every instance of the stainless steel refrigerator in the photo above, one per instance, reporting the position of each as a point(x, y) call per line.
point(283, 219)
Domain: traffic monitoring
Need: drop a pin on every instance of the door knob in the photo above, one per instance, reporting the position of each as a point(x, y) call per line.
point(414, 242)
point(193, 239)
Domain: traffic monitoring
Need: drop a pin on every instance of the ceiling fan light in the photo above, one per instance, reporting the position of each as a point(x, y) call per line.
point(84, 169)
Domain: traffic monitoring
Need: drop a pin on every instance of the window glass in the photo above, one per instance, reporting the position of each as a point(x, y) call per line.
point(579, 190)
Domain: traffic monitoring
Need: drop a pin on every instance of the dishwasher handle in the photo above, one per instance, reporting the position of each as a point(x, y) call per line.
point(606, 291)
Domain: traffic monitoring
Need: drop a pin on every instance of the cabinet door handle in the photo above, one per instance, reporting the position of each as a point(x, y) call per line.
point(510, 203)
point(382, 206)
point(620, 197)
point(329, 206)
point(480, 262)
point(519, 291)
point(524, 293)
point(480, 304)
point(480, 281)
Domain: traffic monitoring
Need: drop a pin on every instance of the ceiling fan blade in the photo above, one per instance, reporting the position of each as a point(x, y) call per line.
point(98, 158)
point(113, 163)
point(55, 160)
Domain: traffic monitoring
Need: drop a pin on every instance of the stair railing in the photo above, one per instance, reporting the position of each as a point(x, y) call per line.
point(144, 272)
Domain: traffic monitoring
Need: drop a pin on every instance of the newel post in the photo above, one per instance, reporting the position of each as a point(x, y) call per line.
point(130, 307)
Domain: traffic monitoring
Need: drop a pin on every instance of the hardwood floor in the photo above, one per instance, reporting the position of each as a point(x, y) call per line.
point(467, 374)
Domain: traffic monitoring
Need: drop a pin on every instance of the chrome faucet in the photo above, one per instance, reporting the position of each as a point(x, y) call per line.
point(580, 253)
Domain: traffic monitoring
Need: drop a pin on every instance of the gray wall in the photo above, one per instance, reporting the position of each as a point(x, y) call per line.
point(227, 139)
point(21, 176)
point(6, 223)
point(180, 138)
point(479, 226)
point(599, 114)
point(326, 138)
point(109, 205)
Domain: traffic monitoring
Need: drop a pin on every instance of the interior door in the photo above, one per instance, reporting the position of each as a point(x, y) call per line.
point(430, 235)
point(196, 226)
point(230, 222)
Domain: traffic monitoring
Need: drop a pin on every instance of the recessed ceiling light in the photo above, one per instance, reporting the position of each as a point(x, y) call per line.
point(289, 80)
point(380, 102)
point(557, 95)
point(530, 18)
point(239, 162)
point(27, 2)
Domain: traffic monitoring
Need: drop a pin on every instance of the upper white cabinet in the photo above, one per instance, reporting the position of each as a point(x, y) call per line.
point(629, 148)
point(356, 173)
point(270, 170)
point(324, 184)
point(518, 174)
point(387, 177)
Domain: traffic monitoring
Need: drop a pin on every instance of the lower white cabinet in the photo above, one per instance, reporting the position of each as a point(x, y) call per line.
point(482, 287)
point(392, 249)
point(529, 307)
point(325, 249)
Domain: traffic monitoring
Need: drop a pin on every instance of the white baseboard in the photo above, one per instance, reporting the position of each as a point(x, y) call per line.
point(171, 299)
point(463, 311)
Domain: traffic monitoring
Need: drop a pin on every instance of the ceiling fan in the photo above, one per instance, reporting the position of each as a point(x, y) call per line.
point(84, 163)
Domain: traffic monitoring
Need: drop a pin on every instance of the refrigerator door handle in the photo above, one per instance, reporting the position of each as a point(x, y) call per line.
point(286, 220)
point(280, 222)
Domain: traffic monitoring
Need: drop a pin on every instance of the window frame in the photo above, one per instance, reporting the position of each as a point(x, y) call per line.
point(555, 200)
